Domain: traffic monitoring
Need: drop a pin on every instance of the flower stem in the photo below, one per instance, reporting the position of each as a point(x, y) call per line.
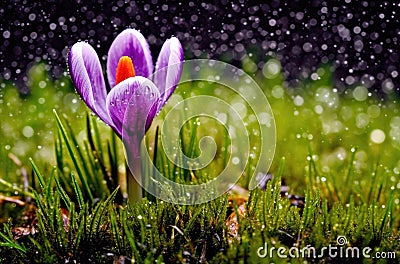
point(134, 187)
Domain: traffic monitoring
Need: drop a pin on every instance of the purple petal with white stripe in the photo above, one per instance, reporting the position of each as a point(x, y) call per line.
point(87, 75)
point(131, 43)
point(168, 68)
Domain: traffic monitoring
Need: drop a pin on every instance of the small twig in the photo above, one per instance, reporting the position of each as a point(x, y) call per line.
point(15, 159)
point(12, 199)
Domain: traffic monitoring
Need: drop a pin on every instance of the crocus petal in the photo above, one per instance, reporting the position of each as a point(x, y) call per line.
point(87, 75)
point(168, 68)
point(134, 97)
point(130, 42)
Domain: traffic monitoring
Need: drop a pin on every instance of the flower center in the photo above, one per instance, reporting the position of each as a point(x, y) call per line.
point(125, 69)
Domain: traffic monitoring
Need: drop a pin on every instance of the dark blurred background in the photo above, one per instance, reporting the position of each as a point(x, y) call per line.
point(358, 38)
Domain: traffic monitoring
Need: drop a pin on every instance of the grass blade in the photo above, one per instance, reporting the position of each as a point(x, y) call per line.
point(78, 191)
point(38, 174)
point(71, 151)
point(63, 194)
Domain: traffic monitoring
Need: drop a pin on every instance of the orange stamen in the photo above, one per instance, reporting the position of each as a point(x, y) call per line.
point(125, 69)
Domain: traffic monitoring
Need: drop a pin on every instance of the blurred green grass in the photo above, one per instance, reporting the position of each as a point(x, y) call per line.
point(316, 125)
point(28, 124)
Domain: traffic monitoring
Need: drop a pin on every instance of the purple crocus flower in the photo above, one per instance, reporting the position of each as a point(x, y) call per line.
point(132, 83)
point(129, 65)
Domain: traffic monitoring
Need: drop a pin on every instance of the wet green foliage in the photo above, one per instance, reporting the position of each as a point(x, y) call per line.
point(338, 151)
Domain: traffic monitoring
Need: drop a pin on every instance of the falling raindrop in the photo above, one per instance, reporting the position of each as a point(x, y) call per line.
point(360, 93)
point(28, 131)
point(377, 136)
